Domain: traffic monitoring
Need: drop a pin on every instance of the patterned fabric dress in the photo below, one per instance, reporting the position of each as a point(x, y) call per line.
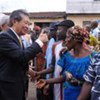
point(92, 75)
point(77, 67)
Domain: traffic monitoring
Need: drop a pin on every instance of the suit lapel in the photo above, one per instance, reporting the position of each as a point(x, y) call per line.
point(13, 36)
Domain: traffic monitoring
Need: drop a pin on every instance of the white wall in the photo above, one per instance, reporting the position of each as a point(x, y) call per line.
point(82, 6)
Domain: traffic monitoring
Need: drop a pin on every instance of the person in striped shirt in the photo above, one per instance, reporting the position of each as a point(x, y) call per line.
point(92, 80)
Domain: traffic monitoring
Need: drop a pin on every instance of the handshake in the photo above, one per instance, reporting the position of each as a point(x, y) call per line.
point(33, 74)
point(41, 83)
point(36, 76)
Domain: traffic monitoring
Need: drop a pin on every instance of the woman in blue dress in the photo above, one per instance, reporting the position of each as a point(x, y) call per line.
point(73, 63)
point(74, 68)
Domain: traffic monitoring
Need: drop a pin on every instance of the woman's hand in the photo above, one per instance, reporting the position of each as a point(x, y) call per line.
point(41, 83)
point(69, 76)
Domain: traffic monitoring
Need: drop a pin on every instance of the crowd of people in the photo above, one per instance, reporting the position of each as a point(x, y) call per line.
point(63, 59)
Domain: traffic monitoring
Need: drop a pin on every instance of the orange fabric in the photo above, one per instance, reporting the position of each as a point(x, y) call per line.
point(41, 59)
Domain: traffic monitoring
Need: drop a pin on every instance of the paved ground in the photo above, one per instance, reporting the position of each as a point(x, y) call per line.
point(32, 91)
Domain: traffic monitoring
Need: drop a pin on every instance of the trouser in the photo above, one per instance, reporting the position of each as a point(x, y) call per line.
point(12, 91)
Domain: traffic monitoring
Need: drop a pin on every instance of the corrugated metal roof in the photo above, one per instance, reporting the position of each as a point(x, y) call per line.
point(43, 15)
point(48, 15)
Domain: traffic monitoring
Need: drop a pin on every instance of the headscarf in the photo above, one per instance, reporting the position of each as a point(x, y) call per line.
point(81, 34)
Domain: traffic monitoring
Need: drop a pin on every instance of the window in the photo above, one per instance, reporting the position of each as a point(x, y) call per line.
point(86, 23)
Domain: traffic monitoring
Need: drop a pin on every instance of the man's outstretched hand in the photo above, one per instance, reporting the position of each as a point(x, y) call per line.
point(43, 37)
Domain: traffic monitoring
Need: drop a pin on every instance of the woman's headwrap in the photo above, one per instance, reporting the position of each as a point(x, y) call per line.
point(80, 34)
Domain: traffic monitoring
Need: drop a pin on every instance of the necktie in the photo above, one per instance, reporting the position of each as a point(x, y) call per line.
point(20, 41)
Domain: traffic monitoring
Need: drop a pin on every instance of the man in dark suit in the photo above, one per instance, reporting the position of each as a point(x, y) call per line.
point(14, 58)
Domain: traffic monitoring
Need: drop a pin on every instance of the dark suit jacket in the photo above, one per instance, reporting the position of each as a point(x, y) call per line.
point(14, 59)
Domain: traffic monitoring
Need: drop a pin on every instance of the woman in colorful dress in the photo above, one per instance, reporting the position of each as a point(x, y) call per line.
point(73, 63)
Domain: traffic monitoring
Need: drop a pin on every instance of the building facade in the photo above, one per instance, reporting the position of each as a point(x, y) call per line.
point(82, 12)
point(43, 19)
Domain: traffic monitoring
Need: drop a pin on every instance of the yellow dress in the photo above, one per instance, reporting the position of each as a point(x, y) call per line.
point(93, 41)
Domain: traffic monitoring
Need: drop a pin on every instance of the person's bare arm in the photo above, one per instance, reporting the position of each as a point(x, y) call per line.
point(55, 80)
point(42, 82)
point(46, 71)
point(85, 92)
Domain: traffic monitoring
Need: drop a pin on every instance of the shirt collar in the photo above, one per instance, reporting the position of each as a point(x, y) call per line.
point(16, 34)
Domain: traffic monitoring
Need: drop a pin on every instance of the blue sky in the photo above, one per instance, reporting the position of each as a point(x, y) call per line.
point(33, 5)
